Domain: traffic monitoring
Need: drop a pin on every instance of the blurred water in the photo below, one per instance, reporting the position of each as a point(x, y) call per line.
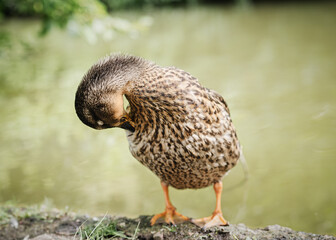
point(275, 66)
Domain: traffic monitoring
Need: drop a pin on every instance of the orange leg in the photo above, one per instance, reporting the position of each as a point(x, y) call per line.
point(170, 215)
point(217, 218)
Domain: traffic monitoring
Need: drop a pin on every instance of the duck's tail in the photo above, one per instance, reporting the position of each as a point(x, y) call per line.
point(244, 165)
point(245, 170)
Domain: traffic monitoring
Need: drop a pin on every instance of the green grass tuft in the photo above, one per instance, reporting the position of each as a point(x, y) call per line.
point(101, 231)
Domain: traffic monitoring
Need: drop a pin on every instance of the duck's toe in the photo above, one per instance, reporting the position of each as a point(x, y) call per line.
point(170, 217)
point(212, 221)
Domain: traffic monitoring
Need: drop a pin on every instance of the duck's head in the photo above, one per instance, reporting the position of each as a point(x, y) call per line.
point(99, 99)
point(102, 110)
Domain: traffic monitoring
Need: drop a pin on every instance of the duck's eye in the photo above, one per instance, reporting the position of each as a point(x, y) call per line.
point(100, 123)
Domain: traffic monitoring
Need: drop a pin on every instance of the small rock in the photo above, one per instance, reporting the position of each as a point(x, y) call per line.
point(226, 229)
point(241, 225)
point(14, 222)
point(277, 228)
point(51, 237)
point(158, 236)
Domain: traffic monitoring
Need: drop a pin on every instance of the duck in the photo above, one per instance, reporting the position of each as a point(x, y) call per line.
point(178, 129)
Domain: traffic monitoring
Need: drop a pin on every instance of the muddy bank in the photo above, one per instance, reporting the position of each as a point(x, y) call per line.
point(32, 223)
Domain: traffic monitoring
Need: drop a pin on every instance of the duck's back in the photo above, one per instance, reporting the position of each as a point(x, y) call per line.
point(183, 131)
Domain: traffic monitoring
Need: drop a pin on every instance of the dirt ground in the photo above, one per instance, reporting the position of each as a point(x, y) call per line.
point(23, 224)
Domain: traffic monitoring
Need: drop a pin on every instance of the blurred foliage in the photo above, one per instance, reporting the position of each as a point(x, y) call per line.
point(126, 4)
point(61, 11)
point(53, 12)
point(4, 40)
point(83, 12)
point(88, 18)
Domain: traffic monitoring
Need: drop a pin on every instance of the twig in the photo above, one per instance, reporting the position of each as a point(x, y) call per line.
point(79, 229)
point(97, 225)
point(136, 230)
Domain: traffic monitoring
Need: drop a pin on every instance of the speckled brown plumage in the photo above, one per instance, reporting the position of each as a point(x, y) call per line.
point(177, 128)
point(184, 133)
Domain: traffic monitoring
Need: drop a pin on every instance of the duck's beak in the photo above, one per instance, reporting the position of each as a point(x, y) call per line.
point(127, 126)
point(126, 123)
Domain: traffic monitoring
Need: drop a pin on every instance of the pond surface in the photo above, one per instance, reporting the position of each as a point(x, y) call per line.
point(275, 66)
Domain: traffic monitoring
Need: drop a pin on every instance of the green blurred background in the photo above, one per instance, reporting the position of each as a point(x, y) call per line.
point(273, 61)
